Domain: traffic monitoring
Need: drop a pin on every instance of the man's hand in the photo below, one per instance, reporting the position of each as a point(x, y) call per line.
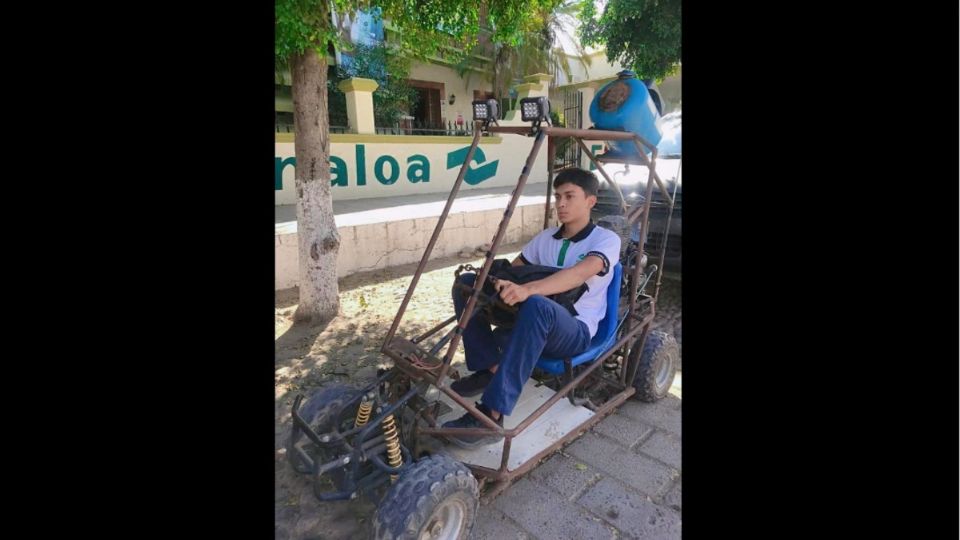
point(562, 281)
point(510, 292)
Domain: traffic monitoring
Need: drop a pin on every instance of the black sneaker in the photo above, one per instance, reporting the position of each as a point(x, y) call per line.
point(472, 385)
point(468, 421)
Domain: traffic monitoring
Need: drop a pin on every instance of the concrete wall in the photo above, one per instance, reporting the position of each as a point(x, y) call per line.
point(367, 165)
point(372, 246)
point(421, 164)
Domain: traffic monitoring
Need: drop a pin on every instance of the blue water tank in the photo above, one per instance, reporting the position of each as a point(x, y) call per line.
point(625, 105)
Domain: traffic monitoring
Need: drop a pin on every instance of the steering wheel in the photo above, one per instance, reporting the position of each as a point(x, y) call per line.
point(484, 299)
point(497, 301)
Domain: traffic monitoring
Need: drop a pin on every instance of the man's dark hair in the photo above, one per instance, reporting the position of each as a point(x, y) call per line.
point(577, 176)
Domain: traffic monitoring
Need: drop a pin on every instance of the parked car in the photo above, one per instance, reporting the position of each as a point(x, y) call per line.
point(632, 180)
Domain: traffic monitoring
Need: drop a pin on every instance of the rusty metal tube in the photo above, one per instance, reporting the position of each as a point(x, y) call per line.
point(434, 237)
point(482, 276)
point(551, 155)
point(613, 185)
point(433, 330)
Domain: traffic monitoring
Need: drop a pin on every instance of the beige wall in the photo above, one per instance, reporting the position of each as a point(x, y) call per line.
point(670, 90)
point(461, 87)
point(396, 165)
point(508, 153)
point(600, 72)
point(599, 68)
point(391, 243)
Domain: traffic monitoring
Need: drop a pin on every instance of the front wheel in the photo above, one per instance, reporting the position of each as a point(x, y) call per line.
point(322, 411)
point(436, 498)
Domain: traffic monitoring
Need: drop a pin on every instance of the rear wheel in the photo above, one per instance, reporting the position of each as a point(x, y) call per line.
point(658, 366)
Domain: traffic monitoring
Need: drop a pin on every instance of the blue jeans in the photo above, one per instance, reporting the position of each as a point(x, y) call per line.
point(543, 327)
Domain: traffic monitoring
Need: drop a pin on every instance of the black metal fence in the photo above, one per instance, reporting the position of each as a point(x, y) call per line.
point(288, 128)
point(416, 127)
point(568, 152)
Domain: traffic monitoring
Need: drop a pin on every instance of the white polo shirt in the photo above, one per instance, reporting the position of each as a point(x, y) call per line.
point(549, 248)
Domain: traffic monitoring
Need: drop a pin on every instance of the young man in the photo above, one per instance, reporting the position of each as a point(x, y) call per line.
point(502, 361)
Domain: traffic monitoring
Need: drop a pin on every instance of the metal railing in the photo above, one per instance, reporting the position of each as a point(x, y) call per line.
point(288, 128)
point(424, 128)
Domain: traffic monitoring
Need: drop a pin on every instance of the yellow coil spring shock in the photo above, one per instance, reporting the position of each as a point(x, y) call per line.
point(393, 444)
point(363, 413)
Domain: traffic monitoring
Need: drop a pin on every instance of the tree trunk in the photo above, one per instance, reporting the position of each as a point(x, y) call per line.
point(497, 60)
point(316, 230)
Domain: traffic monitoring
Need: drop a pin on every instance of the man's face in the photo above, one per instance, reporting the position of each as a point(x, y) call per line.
point(572, 202)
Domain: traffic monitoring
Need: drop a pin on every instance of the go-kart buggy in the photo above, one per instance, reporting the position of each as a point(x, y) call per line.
point(385, 441)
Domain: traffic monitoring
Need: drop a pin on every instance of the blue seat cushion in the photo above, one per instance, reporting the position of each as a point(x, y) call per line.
point(606, 331)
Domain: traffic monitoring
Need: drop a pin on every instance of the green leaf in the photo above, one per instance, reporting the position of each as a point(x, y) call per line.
point(642, 35)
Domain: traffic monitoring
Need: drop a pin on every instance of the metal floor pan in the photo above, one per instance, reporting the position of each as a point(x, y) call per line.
point(560, 419)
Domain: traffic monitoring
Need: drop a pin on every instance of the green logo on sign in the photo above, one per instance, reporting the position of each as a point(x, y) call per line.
point(474, 176)
point(387, 169)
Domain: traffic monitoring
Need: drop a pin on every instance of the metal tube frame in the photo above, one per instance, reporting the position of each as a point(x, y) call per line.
point(633, 326)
